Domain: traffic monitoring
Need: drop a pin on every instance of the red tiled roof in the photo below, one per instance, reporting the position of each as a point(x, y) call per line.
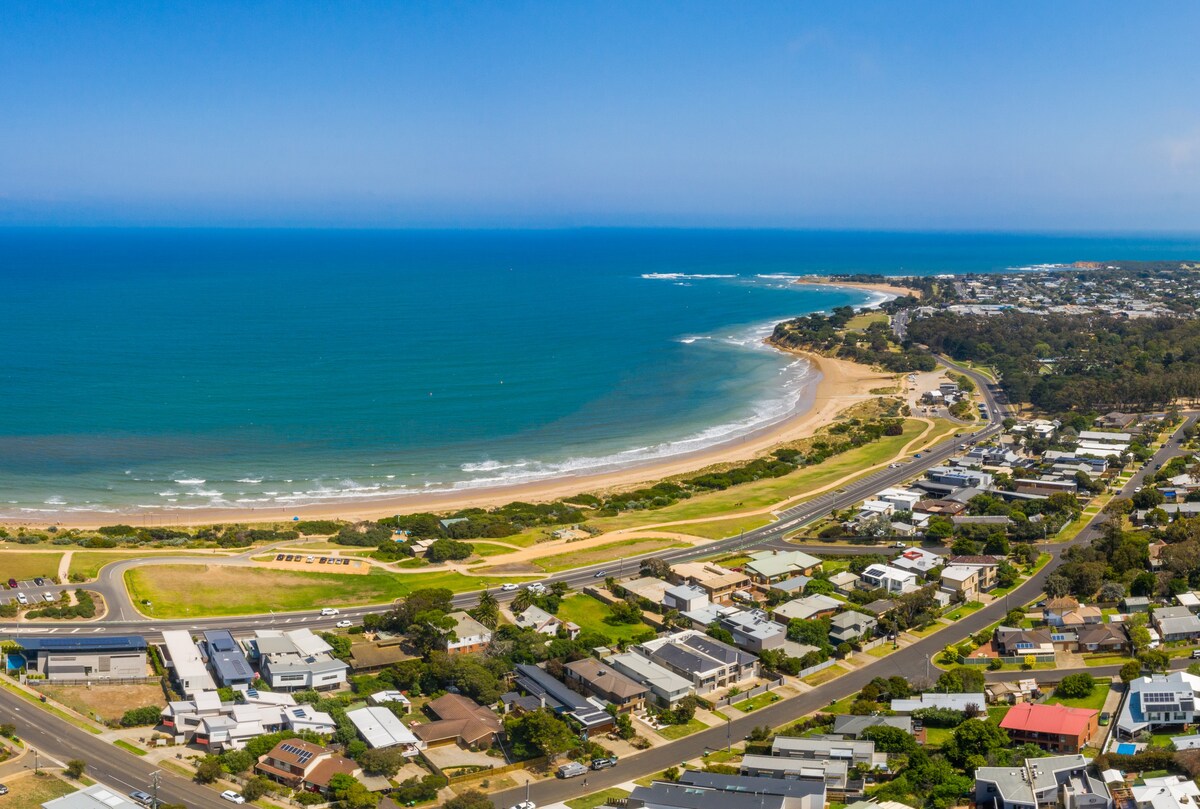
point(1054, 719)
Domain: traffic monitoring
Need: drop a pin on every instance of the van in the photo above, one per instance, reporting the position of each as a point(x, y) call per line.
point(329, 611)
point(571, 770)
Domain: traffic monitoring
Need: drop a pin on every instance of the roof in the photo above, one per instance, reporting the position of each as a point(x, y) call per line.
point(807, 607)
point(959, 572)
point(226, 657)
point(1058, 720)
point(686, 592)
point(372, 655)
point(666, 795)
point(296, 752)
point(650, 673)
point(770, 564)
point(334, 765)
point(854, 725)
point(846, 620)
point(541, 683)
point(605, 678)
point(745, 783)
point(111, 643)
point(932, 699)
point(465, 626)
point(458, 717)
point(379, 727)
point(97, 796)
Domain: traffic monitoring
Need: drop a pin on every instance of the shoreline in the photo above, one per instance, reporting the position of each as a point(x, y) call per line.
point(826, 281)
point(840, 384)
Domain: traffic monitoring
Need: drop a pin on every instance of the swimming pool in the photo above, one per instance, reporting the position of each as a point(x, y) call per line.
point(16, 661)
point(1126, 749)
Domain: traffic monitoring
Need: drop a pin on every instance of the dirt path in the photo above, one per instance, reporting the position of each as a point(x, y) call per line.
point(64, 566)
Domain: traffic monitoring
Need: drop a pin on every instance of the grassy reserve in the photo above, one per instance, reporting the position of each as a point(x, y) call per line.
point(31, 791)
point(605, 553)
point(590, 614)
point(28, 565)
point(185, 591)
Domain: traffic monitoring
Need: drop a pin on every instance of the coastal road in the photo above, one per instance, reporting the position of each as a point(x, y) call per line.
point(110, 765)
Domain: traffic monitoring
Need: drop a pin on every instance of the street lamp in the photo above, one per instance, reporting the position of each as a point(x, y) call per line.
point(728, 735)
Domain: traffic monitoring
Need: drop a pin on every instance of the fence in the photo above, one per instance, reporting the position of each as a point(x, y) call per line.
point(753, 692)
point(88, 681)
point(1015, 660)
point(814, 669)
point(535, 763)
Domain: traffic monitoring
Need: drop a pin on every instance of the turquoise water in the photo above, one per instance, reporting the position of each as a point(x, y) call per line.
point(181, 369)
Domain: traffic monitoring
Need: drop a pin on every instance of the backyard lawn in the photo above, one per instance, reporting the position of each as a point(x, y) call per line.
point(184, 591)
point(590, 613)
point(1094, 701)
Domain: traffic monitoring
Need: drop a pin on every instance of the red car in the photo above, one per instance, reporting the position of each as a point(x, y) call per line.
point(12, 583)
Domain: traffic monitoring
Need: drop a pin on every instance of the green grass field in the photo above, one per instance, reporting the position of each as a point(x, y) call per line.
point(590, 614)
point(609, 552)
point(597, 798)
point(673, 732)
point(760, 701)
point(861, 322)
point(184, 591)
point(1093, 702)
point(18, 565)
point(31, 791)
point(763, 493)
point(88, 563)
point(722, 529)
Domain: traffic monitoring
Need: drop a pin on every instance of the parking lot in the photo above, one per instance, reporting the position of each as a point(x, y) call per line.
point(317, 563)
point(34, 593)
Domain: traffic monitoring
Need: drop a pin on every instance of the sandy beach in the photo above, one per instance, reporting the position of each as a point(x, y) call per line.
point(841, 385)
point(821, 280)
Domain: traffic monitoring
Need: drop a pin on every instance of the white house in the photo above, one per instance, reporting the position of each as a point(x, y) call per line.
point(888, 578)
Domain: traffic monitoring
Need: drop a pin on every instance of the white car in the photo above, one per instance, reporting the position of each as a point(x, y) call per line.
point(508, 588)
point(344, 624)
point(329, 611)
point(525, 805)
point(232, 796)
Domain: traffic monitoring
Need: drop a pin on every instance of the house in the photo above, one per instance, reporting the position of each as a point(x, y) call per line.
point(954, 702)
point(701, 790)
point(182, 659)
point(1014, 641)
point(1116, 421)
point(97, 796)
point(685, 597)
point(720, 583)
point(647, 587)
point(73, 657)
point(959, 477)
point(226, 659)
point(1135, 604)
point(544, 690)
point(880, 606)
point(458, 719)
point(901, 499)
point(766, 567)
point(206, 720)
point(989, 568)
point(1096, 437)
point(852, 726)
point(888, 578)
point(821, 748)
point(666, 687)
point(470, 636)
point(961, 579)
point(598, 679)
point(707, 662)
point(303, 765)
point(1166, 792)
point(1061, 782)
point(753, 630)
point(1056, 728)
point(1157, 701)
point(793, 586)
point(1102, 638)
point(297, 660)
point(1176, 623)
point(380, 728)
point(850, 626)
point(844, 582)
point(367, 657)
point(386, 697)
point(537, 619)
point(807, 608)
point(1067, 612)
point(939, 507)
point(834, 774)
point(918, 560)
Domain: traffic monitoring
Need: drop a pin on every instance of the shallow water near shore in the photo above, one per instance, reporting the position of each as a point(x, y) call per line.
point(171, 370)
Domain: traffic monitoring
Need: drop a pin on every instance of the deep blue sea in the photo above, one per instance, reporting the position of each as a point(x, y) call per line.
point(182, 369)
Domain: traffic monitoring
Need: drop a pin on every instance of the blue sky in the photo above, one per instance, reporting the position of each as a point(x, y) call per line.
point(990, 116)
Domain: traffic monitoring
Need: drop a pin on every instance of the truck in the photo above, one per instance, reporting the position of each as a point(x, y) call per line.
point(571, 770)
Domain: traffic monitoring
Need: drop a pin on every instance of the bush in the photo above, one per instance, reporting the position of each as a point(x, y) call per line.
point(75, 769)
point(136, 717)
point(1076, 686)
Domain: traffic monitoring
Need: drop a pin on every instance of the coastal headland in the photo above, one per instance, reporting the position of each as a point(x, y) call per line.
point(889, 289)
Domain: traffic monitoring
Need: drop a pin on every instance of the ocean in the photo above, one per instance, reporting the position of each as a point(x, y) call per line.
point(169, 370)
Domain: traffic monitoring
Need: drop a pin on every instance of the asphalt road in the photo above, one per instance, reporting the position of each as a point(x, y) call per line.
point(106, 763)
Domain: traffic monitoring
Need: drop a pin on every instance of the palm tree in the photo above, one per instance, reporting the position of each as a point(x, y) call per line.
point(487, 612)
point(522, 602)
point(559, 588)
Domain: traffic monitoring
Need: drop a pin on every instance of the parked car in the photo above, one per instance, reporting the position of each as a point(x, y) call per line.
point(571, 770)
point(525, 805)
point(12, 583)
point(604, 763)
point(344, 624)
point(49, 595)
point(3, 789)
point(279, 557)
point(310, 559)
point(1105, 718)
point(22, 599)
point(144, 798)
point(39, 581)
point(329, 611)
point(232, 796)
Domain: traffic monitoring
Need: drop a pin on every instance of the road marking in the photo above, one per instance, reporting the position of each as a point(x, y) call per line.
point(73, 631)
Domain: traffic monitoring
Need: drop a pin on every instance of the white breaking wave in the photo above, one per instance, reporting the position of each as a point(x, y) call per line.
point(190, 481)
point(679, 276)
point(249, 480)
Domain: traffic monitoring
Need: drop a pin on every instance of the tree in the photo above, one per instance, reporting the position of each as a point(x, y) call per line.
point(446, 549)
point(135, 717)
point(1131, 671)
point(256, 787)
point(431, 630)
point(1076, 686)
point(75, 768)
point(657, 567)
point(471, 799)
point(209, 770)
point(418, 601)
point(1139, 635)
point(522, 601)
point(539, 733)
point(1155, 659)
point(382, 761)
point(975, 737)
point(889, 739)
point(350, 793)
point(625, 612)
point(487, 611)
point(1148, 498)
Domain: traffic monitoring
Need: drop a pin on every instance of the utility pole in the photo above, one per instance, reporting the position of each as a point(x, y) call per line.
point(728, 735)
point(36, 767)
point(154, 781)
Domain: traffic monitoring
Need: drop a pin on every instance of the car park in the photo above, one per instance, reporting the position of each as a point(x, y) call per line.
point(232, 796)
